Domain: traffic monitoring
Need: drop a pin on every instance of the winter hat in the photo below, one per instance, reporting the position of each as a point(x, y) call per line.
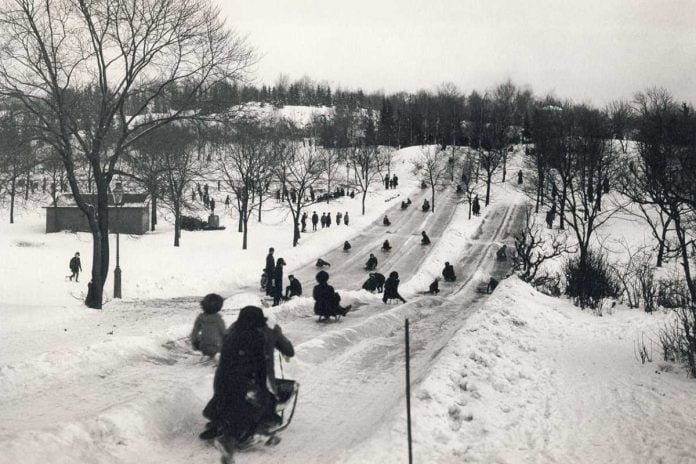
point(322, 276)
point(251, 317)
point(211, 303)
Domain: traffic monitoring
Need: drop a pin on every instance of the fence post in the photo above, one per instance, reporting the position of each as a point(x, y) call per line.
point(408, 395)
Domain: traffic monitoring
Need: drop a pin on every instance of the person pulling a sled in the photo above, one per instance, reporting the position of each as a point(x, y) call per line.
point(244, 388)
point(326, 299)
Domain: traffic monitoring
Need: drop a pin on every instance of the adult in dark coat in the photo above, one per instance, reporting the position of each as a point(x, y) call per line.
point(270, 271)
point(323, 220)
point(294, 289)
point(303, 221)
point(328, 219)
point(345, 218)
point(278, 282)
point(244, 387)
point(476, 207)
point(326, 300)
point(371, 263)
point(426, 206)
point(448, 273)
point(386, 181)
point(386, 246)
point(315, 220)
point(386, 221)
point(519, 177)
point(425, 240)
point(379, 280)
point(391, 288)
point(395, 181)
point(75, 267)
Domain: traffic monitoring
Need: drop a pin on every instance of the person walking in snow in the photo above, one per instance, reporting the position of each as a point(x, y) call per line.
point(328, 219)
point(391, 288)
point(323, 220)
point(303, 221)
point(227, 202)
point(339, 217)
point(519, 177)
point(395, 181)
point(386, 181)
point(209, 328)
point(345, 218)
point(315, 220)
point(270, 271)
point(476, 207)
point(75, 267)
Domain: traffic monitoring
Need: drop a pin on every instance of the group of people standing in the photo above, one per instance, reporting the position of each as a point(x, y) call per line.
point(392, 182)
point(325, 220)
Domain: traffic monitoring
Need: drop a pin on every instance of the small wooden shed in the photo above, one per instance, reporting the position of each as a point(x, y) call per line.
point(133, 217)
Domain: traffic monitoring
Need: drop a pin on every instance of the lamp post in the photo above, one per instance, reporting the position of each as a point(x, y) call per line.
point(118, 200)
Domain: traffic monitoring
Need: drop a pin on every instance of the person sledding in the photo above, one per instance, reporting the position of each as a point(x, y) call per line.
point(391, 288)
point(294, 288)
point(327, 300)
point(426, 206)
point(425, 240)
point(448, 273)
point(209, 328)
point(321, 263)
point(371, 263)
point(244, 387)
point(386, 221)
point(386, 246)
point(346, 246)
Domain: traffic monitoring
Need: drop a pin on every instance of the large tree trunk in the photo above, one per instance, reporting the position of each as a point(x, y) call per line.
point(489, 179)
point(432, 197)
point(363, 201)
point(153, 214)
point(245, 224)
point(177, 225)
point(563, 204)
point(28, 185)
point(504, 164)
point(100, 247)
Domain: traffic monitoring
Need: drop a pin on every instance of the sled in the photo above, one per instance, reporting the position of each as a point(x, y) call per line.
point(288, 392)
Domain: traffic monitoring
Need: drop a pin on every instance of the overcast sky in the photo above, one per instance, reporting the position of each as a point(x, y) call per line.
point(588, 50)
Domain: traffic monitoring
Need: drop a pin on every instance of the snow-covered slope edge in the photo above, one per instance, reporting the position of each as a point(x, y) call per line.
point(531, 378)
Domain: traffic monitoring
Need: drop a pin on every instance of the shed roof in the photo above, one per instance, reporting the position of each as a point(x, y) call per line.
point(129, 200)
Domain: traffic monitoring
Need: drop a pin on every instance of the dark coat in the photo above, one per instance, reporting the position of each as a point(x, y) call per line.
point(295, 287)
point(75, 264)
point(315, 218)
point(391, 290)
point(448, 273)
point(326, 300)
point(371, 263)
point(270, 264)
point(278, 280)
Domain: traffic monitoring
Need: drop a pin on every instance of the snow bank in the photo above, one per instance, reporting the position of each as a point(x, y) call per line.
point(534, 379)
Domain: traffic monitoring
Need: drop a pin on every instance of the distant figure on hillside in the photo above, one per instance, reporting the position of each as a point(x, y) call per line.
point(404, 205)
point(549, 219)
point(386, 221)
point(278, 282)
point(209, 328)
point(345, 218)
point(501, 254)
point(321, 263)
point(212, 205)
point(408, 201)
point(492, 283)
point(386, 246)
point(294, 289)
point(460, 189)
point(424, 185)
point(352, 193)
point(270, 271)
point(303, 221)
point(519, 177)
point(386, 181)
point(328, 219)
point(315, 220)
point(371, 264)
point(75, 267)
point(227, 202)
point(323, 220)
point(426, 206)
point(326, 299)
point(476, 207)
point(339, 217)
point(425, 240)
point(395, 181)
point(391, 288)
point(374, 282)
point(434, 287)
point(448, 273)
point(346, 246)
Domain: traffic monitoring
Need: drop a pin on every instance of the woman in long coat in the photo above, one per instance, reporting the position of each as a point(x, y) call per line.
point(278, 282)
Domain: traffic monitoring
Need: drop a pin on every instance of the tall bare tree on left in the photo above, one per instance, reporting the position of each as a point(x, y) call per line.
point(88, 71)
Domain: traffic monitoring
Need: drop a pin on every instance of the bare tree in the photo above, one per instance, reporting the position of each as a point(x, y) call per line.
point(534, 248)
point(432, 165)
point(16, 157)
point(245, 163)
point(298, 166)
point(364, 160)
point(128, 55)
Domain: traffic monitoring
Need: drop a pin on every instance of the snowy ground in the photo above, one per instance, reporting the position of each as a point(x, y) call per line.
point(518, 377)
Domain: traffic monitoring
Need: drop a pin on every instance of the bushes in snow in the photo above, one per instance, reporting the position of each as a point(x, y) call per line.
point(590, 281)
